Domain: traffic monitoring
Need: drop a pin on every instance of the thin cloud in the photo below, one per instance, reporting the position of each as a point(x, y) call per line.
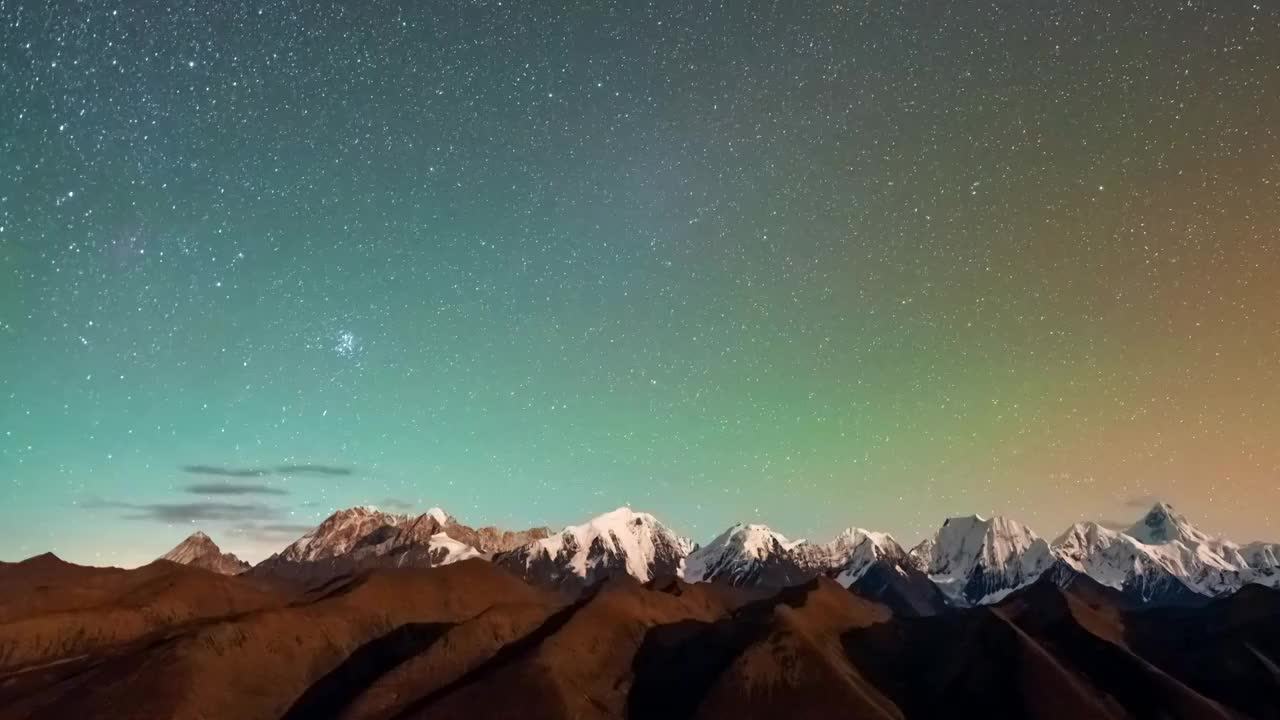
point(329, 470)
point(270, 537)
point(230, 471)
point(224, 471)
point(233, 489)
point(186, 512)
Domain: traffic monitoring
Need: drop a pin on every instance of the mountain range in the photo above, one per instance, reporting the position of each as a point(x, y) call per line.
point(1162, 559)
point(469, 640)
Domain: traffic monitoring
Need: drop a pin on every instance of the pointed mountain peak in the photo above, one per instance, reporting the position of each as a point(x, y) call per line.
point(439, 515)
point(1162, 524)
point(973, 558)
point(197, 540)
point(199, 550)
point(751, 553)
point(854, 536)
point(1084, 533)
point(621, 541)
point(47, 559)
point(755, 539)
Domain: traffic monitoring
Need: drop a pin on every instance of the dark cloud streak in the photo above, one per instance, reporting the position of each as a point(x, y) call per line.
point(222, 471)
point(187, 512)
point(233, 489)
point(329, 470)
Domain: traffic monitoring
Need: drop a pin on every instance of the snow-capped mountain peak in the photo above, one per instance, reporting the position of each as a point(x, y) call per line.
point(1119, 560)
point(1163, 550)
point(851, 540)
point(1162, 524)
point(750, 553)
point(616, 542)
point(975, 559)
point(754, 540)
point(854, 550)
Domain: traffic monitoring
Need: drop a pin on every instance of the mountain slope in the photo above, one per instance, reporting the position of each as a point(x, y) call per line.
point(1149, 574)
point(470, 640)
point(752, 555)
point(1209, 565)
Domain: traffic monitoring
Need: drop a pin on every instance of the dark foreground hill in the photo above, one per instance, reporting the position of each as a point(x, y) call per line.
point(470, 640)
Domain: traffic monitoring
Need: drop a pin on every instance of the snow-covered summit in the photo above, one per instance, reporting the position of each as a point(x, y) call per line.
point(1208, 564)
point(740, 555)
point(854, 550)
point(1163, 524)
point(616, 542)
point(975, 559)
point(1116, 559)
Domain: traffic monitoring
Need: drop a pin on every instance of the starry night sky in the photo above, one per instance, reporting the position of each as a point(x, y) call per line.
point(813, 264)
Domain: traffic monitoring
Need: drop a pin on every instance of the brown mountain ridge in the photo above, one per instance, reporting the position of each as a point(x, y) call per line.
point(471, 640)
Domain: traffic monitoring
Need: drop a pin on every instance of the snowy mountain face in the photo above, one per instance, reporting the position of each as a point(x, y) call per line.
point(1162, 559)
point(1146, 573)
point(975, 560)
point(200, 551)
point(1264, 562)
point(1208, 565)
point(855, 550)
point(619, 542)
point(439, 549)
point(753, 555)
point(1262, 555)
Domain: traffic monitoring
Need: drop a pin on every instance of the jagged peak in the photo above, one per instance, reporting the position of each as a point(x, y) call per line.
point(1163, 524)
point(754, 538)
point(636, 538)
point(361, 511)
point(857, 535)
point(1086, 532)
